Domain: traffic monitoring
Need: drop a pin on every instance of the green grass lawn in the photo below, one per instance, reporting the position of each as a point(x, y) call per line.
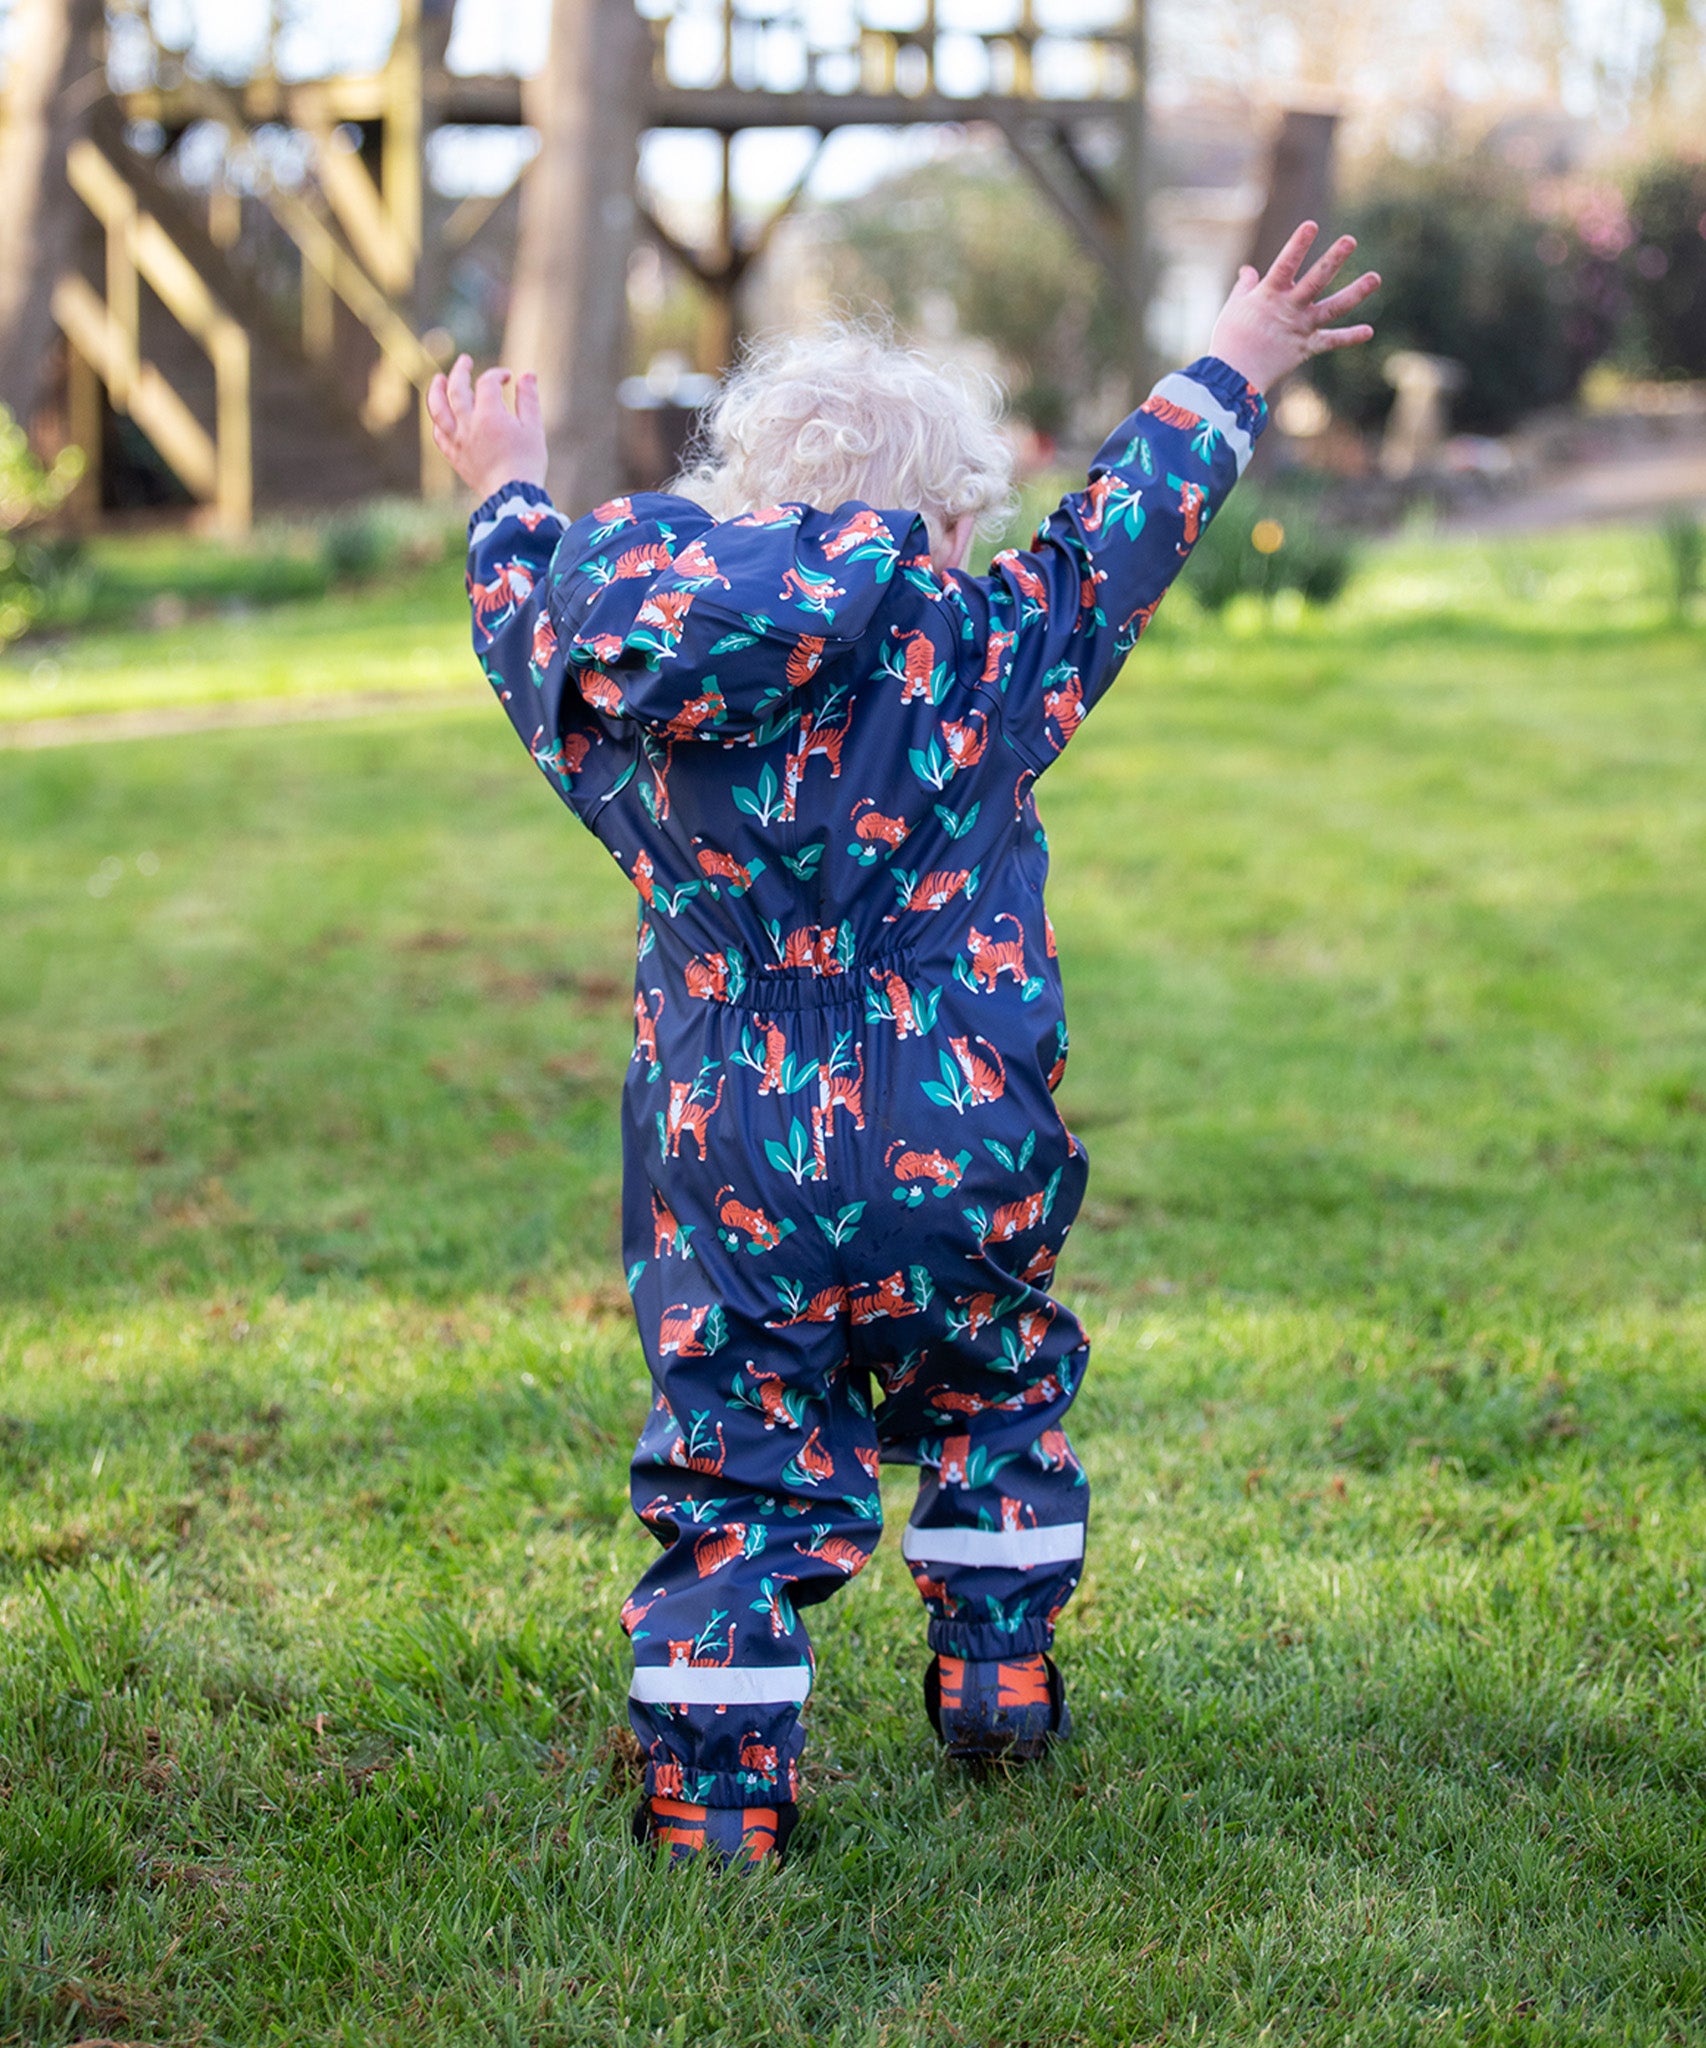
point(1383, 935)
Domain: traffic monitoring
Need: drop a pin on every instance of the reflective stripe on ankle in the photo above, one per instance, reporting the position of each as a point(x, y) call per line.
point(1060, 1544)
point(687, 1685)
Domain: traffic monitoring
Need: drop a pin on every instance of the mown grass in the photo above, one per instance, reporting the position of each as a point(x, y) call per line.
point(1382, 934)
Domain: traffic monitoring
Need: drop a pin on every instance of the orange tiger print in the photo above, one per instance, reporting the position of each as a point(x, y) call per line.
point(775, 1052)
point(991, 958)
point(713, 863)
point(863, 526)
point(645, 560)
point(919, 664)
point(965, 742)
point(805, 658)
point(812, 946)
point(678, 1331)
point(1052, 1451)
point(734, 1215)
point(708, 978)
point(814, 1460)
point(836, 1550)
point(824, 1307)
point(646, 1026)
point(887, 831)
point(939, 888)
point(695, 565)
point(813, 739)
point(718, 1547)
point(836, 1090)
point(1029, 582)
point(599, 690)
point(1013, 1219)
point(887, 1298)
point(667, 1239)
point(1171, 415)
point(685, 1117)
point(666, 610)
point(1065, 705)
point(987, 1083)
point(975, 1312)
point(935, 1167)
point(1096, 500)
point(900, 1003)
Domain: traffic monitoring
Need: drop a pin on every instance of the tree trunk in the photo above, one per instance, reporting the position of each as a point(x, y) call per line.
point(55, 76)
point(568, 309)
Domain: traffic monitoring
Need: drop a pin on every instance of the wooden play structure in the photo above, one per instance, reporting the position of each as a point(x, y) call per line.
point(269, 325)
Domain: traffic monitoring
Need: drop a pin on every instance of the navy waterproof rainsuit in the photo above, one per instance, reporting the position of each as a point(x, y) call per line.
point(846, 1179)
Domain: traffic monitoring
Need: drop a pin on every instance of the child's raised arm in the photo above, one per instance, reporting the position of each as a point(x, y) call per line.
point(512, 536)
point(1064, 614)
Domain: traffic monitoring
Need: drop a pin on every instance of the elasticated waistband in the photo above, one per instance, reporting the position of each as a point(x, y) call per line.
point(787, 989)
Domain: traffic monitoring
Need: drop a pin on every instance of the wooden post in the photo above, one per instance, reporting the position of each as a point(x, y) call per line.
point(1300, 181)
point(235, 496)
point(568, 312)
point(84, 423)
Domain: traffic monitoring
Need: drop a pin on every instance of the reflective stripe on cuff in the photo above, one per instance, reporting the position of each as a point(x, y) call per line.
point(1198, 398)
point(1060, 1544)
point(691, 1685)
point(513, 507)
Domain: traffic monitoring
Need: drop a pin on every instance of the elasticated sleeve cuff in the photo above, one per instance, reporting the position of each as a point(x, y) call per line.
point(508, 498)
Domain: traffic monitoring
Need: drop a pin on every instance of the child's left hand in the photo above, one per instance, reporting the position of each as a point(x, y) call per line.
point(486, 444)
point(1271, 324)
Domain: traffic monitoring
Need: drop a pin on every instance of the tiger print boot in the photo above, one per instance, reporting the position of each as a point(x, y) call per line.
point(737, 1837)
point(1009, 1710)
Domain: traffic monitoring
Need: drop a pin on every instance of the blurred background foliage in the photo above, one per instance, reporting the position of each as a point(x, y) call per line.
point(1528, 283)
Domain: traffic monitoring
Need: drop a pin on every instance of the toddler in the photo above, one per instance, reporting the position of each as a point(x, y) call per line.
point(810, 738)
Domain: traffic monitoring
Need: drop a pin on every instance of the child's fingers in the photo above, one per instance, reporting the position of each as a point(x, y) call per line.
point(1344, 301)
point(1341, 337)
point(459, 386)
point(1321, 273)
point(527, 408)
point(438, 405)
point(489, 389)
point(1282, 272)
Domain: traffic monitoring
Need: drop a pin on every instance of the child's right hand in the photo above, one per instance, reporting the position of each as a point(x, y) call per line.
point(486, 444)
point(1271, 324)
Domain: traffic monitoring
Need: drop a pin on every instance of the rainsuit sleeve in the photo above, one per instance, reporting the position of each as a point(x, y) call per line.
point(1063, 615)
point(511, 540)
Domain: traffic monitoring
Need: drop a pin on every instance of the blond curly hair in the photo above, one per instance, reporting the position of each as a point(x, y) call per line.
point(845, 412)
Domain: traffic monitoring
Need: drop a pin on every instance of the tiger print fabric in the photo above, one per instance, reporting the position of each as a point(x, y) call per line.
point(846, 1182)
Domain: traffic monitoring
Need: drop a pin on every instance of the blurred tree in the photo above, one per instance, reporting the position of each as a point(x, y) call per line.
point(1665, 266)
point(568, 309)
point(974, 232)
point(53, 74)
point(1470, 272)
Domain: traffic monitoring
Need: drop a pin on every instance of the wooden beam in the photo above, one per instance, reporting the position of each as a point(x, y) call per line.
point(1098, 231)
point(500, 102)
point(730, 108)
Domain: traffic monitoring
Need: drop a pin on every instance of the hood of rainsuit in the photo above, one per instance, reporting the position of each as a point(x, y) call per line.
point(707, 629)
